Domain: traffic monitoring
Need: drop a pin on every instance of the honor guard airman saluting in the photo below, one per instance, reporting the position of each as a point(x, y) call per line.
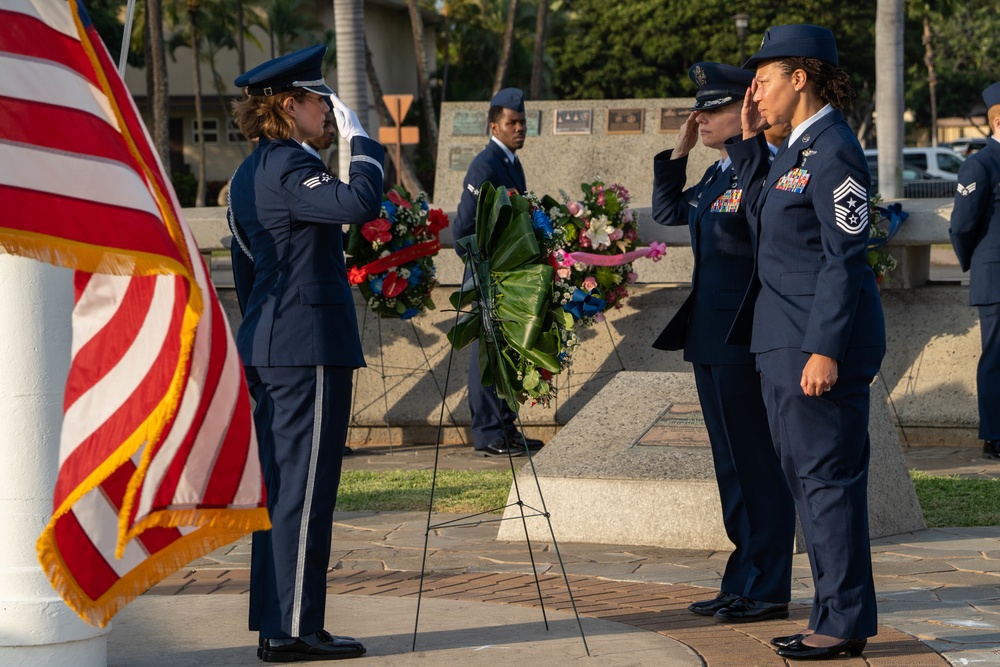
point(816, 319)
point(975, 235)
point(299, 337)
point(494, 425)
point(757, 508)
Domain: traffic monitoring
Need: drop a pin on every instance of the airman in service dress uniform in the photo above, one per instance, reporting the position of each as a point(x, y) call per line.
point(816, 320)
point(757, 508)
point(975, 235)
point(494, 424)
point(299, 337)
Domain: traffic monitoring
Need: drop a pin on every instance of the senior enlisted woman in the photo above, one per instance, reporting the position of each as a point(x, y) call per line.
point(299, 337)
point(817, 326)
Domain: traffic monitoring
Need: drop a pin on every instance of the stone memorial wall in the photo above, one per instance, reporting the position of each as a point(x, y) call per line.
point(571, 142)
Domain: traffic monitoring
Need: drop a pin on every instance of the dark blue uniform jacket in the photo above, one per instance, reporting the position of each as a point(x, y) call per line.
point(975, 224)
point(297, 303)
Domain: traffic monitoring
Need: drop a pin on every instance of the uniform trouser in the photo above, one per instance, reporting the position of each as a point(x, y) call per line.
point(757, 507)
point(491, 417)
point(823, 445)
point(301, 416)
point(988, 373)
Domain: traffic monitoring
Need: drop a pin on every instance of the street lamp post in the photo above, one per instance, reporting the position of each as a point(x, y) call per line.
point(742, 23)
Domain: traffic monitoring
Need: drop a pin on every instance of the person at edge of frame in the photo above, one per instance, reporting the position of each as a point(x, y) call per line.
point(757, 508)
point(299, 338)
point(814, 319)
point(494, 425)
point(975, 236)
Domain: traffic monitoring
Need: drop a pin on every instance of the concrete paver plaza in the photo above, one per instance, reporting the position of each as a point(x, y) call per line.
point(938, 594)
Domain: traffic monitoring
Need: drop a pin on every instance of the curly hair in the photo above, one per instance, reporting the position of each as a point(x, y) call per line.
point(830, 83)
point(260, 115)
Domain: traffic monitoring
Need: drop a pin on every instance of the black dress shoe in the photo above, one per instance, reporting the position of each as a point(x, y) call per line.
point(991, 449)
point(709, 607)
point(317, 646)
point(501, 448)
point(747, 610)
point(788, 640)
point(518, 440)
point(800, 651)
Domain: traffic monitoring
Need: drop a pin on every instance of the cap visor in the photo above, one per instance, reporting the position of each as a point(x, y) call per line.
point(321, 89)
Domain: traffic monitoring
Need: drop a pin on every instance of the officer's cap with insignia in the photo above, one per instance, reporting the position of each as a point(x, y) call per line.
point(795, 41)
point(298, 69)
point(718, 85)
point(991, 95)
point(509, 98)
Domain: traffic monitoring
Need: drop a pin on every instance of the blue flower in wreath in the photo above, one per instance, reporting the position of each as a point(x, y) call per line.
point(416, 273)
point(541, 222)
point(408, 313)
point(390, 210)
point(376, 285)
point(424, 206)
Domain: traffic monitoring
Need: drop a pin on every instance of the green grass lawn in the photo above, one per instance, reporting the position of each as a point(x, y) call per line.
point(946, 501)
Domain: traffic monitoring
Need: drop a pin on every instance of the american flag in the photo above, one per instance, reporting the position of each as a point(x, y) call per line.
point(158, 456)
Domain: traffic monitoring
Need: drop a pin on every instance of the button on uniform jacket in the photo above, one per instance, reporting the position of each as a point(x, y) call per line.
point(297, 302)
point(491, 165)
point(723, 260)
point(816, 291)
point(975, 224)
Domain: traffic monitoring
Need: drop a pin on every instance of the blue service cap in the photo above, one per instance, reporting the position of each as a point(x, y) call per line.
point(991, 95)
point(718, 84)
point(796, 41)
point(509, 98)
point(298, 69)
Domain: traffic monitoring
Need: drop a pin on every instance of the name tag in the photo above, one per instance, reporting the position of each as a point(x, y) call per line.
point(794, 181)
point(728, 202)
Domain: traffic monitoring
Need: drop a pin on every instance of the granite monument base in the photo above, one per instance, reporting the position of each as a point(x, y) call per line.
point(634, 467)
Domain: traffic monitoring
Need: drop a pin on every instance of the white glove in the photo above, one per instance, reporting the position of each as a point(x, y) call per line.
point(347, 121)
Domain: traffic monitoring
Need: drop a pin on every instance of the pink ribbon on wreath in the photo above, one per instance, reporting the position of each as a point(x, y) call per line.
point(654, 252)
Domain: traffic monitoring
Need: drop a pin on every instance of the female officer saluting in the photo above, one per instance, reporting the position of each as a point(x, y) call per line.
point(818, 330)
point(299, 337)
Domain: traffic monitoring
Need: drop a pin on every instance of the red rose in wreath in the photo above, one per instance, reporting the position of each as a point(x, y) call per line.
point(437, 220)
point(377, 230)
point(393, 285)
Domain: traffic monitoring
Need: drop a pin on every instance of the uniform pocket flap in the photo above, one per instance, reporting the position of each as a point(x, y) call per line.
point(794, 284)
point(319, 294)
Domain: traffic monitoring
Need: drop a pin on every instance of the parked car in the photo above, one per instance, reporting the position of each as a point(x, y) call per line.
point(918, 184)
point(939, 162)
point(966, 146)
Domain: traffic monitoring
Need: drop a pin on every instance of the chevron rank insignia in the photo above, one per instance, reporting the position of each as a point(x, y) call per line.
point(966, 190)
point(850, 206)
point(317, 180)
point(474, 191)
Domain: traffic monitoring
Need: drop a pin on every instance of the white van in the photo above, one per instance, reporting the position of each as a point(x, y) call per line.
point(939, 162)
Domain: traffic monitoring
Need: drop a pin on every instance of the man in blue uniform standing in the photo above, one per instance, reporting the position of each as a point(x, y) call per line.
point(975, 235)
point(494, 425)
point(299, 337)
point(757, 507)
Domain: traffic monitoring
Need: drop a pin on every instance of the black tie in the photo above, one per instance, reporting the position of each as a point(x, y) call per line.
point(522, 184)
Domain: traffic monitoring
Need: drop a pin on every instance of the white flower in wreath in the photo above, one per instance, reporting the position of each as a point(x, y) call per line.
point(599, 232)
point(403, 273)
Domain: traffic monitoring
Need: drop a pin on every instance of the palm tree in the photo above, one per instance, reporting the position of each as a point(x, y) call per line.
point(505, 47)
point(194, 16)
point(943, 8)
point(423, 78)
point(290, 22)
point(536, 62)
point(349, 25)
point(889, 96)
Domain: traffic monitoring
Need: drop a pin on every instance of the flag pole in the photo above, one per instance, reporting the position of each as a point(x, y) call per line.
point(38, 627)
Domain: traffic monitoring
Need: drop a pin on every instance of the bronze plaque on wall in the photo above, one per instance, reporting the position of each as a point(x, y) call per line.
point(626, 121)
point(672, 118)
point(461, 157)
point(577, 121)
point(465, 123)
point(680, 425)
point(533, 119)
